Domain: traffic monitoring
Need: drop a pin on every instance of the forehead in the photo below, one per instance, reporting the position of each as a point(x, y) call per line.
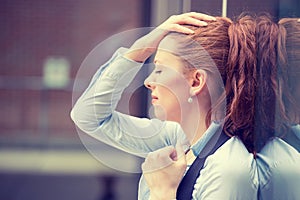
point(171, 61)
point(183, 50)
point(164, 57)
point(173, 71)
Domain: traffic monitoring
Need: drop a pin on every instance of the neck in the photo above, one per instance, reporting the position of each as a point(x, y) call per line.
point(194, 123)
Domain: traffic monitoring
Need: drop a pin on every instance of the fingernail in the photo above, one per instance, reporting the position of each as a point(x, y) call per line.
point(186, 151)
point(186, 148)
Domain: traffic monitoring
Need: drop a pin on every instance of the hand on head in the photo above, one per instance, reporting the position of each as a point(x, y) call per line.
point(144, 47)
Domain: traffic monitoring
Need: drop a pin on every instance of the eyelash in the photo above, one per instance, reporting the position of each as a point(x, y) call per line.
point(157, 71)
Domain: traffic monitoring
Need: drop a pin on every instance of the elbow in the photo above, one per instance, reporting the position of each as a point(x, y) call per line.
point(73, 115)
point(82, 121)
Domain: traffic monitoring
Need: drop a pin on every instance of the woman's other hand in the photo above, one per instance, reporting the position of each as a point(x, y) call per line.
point(163, 171)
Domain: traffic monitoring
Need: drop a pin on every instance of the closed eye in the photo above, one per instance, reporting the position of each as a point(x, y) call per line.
point(157, 71)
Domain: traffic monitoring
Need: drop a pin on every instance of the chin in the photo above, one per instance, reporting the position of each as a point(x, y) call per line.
point(160, 116)
point(165, 117)
point(160, 113)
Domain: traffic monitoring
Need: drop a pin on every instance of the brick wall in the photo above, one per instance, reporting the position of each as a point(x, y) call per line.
point(33, 30)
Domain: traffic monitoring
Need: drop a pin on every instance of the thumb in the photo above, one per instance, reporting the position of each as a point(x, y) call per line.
point(179, 149)
point(177, 152)
point(173, 155)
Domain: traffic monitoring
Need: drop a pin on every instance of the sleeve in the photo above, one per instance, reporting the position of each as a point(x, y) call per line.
point(94, 112)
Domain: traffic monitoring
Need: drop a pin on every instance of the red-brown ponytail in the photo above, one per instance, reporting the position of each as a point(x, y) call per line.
point(241, 81)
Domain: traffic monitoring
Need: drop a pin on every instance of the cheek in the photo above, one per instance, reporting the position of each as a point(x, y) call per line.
point(178, 90)
point(168, 97)
point(171, 103)
point(174, 84)
point(168, 107)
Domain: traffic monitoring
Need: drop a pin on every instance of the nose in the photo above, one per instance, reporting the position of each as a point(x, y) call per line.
point(148, 83)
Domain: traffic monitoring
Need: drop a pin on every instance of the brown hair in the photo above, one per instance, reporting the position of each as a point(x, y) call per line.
point(270, 118)
point(241, 84)
point(290, 29)
point(215, 40)
point(256, 88)
point(251, 55)
point(246, 57)
point(232, 48)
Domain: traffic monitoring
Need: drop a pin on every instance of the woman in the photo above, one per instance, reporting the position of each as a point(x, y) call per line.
point(225, 167)
point(187, 85)
point(274, 95)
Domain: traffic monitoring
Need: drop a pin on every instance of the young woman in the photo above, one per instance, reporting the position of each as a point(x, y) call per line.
point(275, 116)
point(228, 177)
point(186, 86)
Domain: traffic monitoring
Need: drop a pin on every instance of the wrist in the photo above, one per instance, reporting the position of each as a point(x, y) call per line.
point(139, 55)
point(169, 195)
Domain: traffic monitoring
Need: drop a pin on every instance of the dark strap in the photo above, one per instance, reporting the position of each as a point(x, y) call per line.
point(186, 186)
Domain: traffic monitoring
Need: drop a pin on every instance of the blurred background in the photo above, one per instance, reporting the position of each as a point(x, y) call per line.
point(43, 44)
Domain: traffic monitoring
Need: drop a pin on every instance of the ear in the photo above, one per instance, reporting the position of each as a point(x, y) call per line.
point(199, 78)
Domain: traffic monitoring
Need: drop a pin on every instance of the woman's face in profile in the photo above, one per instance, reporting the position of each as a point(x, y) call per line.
point(169, 86)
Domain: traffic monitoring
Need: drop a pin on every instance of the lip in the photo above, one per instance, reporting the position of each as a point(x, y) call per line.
point(154, 98)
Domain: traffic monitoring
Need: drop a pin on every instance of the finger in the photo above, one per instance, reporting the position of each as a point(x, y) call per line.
point(193, 21)
point(181, 29)
point(158, 159)
point(201, 16)
point(181, 157)
point(166, 151)
point(173, 155)
point(184, 19)
point(180, 151)
point(146, 167)
point(143, 166)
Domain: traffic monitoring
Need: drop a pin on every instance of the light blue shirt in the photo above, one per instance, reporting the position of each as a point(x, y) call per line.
point(230, 173)
point(293, 137)
point(278, 166)
point(296, 130)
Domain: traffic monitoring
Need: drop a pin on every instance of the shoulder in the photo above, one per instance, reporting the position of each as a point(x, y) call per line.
point(278, 157)
point(280, 151)
point(231, 152)
point(278, 169)
point(232, 159)
point(229, 173)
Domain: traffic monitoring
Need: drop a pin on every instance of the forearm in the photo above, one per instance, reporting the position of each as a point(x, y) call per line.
point(101, 97)
point(146, 46)
point(94, 113)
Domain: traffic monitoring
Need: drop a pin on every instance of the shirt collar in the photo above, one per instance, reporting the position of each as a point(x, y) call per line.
point(200, 144)
point(296, 129)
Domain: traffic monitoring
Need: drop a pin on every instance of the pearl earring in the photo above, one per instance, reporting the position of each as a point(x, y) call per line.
point(190, 100)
